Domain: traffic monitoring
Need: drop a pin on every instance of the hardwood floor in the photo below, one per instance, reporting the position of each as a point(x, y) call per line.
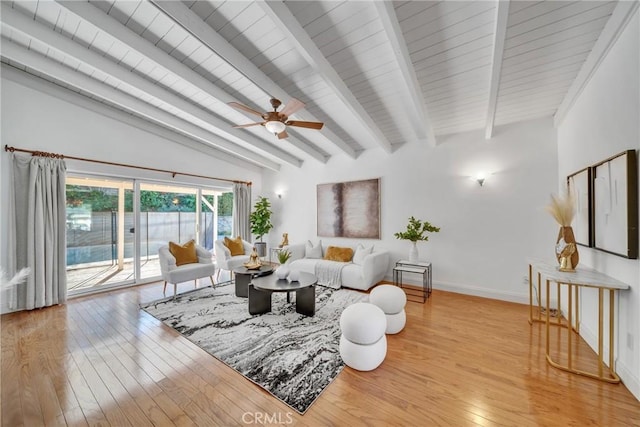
point(460, 360)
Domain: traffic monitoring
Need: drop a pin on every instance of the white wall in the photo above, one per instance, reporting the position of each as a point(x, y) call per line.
point(487, 232)
point(605, 120)
point(32, 119)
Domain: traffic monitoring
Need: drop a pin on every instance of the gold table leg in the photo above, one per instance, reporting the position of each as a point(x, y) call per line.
point(569, 329)
point(600, 330)
point(610, 376)
point(611, 319)
point(547, 322)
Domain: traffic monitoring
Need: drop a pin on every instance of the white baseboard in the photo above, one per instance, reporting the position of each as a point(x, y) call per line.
point(520, 298)
point(629, 379)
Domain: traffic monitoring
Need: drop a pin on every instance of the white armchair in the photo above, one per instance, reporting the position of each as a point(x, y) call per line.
point(224, 259)
point(177, 274)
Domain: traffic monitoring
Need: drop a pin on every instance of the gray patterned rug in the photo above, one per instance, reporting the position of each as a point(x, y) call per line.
point(293, 357)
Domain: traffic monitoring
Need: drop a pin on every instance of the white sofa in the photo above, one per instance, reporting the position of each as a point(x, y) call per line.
point(363, 276)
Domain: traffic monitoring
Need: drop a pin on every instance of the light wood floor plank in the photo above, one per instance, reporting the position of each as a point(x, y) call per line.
point(112, 358)
point(460, 360)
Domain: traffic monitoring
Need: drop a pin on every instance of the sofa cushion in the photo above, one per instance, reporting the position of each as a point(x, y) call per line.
point(336, 253)
point(361, 252)
point(184, 254)
point(313, 251)
point(235, 246)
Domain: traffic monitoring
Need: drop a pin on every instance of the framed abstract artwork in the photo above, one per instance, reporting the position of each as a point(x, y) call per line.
point(615, 196)
point(349, 209)
point(579, 185)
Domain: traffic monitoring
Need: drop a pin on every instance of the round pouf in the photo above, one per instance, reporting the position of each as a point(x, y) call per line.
point(363, 345)
point(391, 299)
point(363, 357)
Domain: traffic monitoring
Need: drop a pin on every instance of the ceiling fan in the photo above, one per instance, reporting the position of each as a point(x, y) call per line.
point(276, 121)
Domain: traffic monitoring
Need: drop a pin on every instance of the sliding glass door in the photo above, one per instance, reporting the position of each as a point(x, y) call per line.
point(167, 213)
point(100, 245)
point(113, 235)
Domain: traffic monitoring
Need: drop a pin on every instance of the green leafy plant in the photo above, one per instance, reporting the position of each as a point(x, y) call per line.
point(417, 230)
point(260, 218)
point(283, 256)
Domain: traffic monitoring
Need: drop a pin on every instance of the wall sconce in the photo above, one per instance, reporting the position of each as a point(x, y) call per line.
point(279, 195)
point(480, 178)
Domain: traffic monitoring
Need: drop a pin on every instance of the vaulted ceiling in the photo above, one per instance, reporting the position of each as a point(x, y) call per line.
point(378, 74)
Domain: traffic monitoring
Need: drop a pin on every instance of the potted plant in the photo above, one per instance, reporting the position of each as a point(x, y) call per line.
point(260, 223)
point(416, 230)
point(283, 256)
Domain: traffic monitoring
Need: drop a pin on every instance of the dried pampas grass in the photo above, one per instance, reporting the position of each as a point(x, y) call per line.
point(19, 278)
point(562, 208)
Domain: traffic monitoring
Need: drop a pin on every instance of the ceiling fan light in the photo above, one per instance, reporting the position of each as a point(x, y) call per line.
point(275, 126)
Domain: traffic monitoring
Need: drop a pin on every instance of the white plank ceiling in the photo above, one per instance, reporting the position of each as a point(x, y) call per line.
point(378, 75)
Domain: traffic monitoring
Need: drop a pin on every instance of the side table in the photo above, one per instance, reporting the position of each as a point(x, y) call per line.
point(273, 254)
point(244, 276)
point(422, 268)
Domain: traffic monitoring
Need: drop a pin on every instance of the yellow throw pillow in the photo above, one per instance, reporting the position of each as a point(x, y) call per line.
point(185, 254)
point(335, 253)
point(235, 245)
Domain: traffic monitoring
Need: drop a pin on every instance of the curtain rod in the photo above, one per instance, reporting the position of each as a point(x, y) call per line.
point(102, 162)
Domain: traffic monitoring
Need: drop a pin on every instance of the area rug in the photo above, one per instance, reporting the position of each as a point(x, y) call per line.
point(293, 357)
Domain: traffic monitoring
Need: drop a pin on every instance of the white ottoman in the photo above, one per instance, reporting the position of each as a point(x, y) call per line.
point(363, 345)
point(391, 299)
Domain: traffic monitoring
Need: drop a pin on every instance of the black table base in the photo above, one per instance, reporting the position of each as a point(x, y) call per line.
point(260, 300)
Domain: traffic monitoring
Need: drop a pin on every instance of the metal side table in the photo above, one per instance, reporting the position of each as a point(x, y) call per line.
point(422, 268)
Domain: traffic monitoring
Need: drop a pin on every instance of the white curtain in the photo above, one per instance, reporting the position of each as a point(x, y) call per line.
point(241, 210)
point(38, 231)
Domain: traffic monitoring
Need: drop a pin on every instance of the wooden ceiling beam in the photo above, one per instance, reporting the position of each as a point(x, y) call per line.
point(499, 36)
point(192, 23)
point(289, 25)
point(115, 29)
point(416, 109)
point(123, 100)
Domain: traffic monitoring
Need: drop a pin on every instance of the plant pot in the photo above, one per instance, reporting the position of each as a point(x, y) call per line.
point(261, 248)
point(413, 252)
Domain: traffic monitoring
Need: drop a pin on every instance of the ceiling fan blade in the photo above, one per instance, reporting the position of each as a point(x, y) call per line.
point(310, 125)
point(292, 106)
point(248, 125)
point(244, 108)
point(283, 134)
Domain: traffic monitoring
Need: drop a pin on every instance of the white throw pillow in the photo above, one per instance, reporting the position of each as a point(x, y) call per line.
point(313, 251)
point(361, 252)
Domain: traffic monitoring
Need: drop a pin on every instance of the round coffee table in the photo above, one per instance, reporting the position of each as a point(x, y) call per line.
point(261, 288)
point(244, 275)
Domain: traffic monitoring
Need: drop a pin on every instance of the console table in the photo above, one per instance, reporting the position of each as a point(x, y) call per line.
point(583, 277)
point(422, 268)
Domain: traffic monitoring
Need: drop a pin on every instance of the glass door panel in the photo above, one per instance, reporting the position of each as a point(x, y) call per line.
point(100, 248)
point(167, 213)
point(216, 216)
point(225, 215)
